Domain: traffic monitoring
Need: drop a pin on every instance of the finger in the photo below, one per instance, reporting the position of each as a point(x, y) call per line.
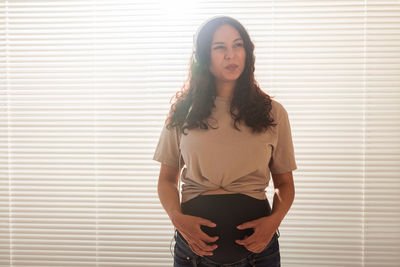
point(241, 242)
point(206, 247)
point(244, 238)
point(200, 251)
point(202, 247)
point(246, 241)
point(258, 248)
point(254, 247)
point(206, 222)
point(245, 225)
point(207, 238)
point(200, 244)
point(195, 249)
point(250, 239)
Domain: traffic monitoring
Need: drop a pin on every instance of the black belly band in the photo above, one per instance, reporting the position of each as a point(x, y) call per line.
point(227, 211)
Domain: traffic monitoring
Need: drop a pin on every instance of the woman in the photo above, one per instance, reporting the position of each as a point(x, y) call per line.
point(232, 137)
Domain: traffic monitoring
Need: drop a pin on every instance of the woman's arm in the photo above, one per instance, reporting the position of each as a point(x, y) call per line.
point(168, 191)
point(188, 226)
point(283, 197)
point(265, 227)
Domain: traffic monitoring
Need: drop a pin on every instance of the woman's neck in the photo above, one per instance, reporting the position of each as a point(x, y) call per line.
point(225, 89)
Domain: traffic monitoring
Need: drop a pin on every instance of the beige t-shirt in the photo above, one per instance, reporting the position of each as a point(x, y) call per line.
point(237, 161)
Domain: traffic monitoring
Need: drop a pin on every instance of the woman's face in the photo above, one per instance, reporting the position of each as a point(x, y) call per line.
point(228, 54)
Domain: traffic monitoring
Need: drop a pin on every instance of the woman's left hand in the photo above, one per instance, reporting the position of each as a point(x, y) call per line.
point(264, 230)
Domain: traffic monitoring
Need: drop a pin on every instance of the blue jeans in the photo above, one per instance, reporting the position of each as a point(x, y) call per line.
point(185, 257)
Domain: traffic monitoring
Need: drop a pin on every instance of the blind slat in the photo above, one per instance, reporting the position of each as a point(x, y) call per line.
point(86, 86)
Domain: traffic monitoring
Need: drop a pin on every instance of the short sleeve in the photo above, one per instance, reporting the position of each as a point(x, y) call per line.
point(167, 149)
point(283, 158)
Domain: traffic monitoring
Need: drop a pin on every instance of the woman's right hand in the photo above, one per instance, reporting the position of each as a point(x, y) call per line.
point(189, 227)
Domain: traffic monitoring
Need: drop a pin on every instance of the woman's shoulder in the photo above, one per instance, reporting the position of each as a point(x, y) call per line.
point(277, 109)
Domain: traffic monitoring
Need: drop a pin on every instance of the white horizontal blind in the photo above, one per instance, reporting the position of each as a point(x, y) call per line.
point(335, 66)
point(382, 134)
point(85, 88)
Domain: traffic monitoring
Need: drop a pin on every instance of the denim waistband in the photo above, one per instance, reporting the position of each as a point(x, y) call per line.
point(251, 258)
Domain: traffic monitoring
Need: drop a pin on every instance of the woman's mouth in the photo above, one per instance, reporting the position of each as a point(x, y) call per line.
point(231, 67)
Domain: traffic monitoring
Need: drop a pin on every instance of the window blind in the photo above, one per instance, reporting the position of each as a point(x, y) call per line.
point(85, 88)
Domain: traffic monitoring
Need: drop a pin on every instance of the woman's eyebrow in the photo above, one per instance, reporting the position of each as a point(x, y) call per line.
point(233, 40)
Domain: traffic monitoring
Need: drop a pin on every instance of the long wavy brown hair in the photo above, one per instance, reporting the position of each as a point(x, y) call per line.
point(249, 103)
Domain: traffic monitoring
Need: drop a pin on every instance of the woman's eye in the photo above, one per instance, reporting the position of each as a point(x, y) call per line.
point(218, 47)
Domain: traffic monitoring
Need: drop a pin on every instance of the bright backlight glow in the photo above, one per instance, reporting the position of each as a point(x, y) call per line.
point(177, 9)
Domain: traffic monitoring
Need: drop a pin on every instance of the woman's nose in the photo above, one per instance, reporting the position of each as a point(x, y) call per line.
point(229, 53)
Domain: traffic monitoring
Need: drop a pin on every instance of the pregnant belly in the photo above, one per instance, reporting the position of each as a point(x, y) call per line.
point(227, 211)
